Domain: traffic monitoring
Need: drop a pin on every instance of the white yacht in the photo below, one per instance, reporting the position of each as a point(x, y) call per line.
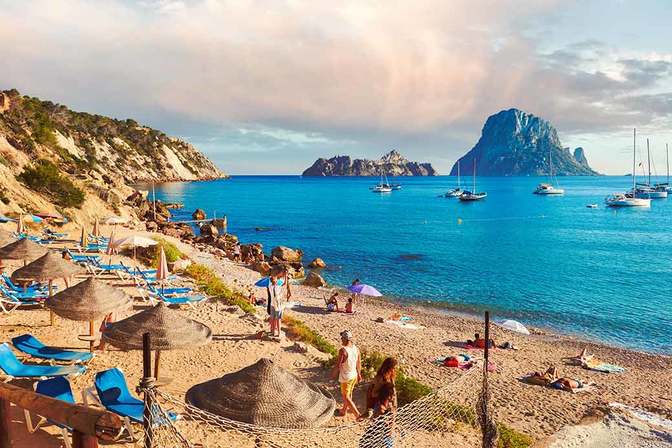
point(383, 186)
point(665, 186)
point(629, 200)
point(548, 188)
point(455, 192)
point(646, 191)
point(470, 196)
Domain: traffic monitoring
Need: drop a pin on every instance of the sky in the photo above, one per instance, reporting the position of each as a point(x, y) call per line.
point(267, 87)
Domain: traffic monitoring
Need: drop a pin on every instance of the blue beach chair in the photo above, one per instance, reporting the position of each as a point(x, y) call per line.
point(58, 388)
point(114, 395)
point(18, 288)
point(30, 345)
point(14, 368)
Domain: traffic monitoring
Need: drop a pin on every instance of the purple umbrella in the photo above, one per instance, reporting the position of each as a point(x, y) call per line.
point(364, 290)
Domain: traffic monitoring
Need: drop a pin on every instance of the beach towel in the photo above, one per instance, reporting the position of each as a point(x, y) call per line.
point(599, 366)
point(405, 325)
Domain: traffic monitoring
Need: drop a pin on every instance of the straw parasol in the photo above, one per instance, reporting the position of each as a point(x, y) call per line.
point(5, 238)
point(169, 330)
point(20, 227)
point(23, 249)
point(47, 268)
point(87, 301)
point(264, 394)
point(96, 229)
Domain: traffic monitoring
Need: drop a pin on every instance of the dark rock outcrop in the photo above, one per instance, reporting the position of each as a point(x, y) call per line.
point(315, 280)
point(515, 143)
point(392, 164)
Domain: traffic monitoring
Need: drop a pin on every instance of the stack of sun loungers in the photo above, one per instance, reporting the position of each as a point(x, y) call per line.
point(13, 296)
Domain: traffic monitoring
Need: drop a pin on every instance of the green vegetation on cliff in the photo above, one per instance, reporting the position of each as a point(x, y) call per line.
point(45, 178)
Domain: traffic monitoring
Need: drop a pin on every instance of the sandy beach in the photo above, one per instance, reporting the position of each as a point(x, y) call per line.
point(534, 410)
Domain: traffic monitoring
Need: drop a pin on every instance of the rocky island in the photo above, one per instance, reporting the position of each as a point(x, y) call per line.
point(515, 143)
point(392, 164)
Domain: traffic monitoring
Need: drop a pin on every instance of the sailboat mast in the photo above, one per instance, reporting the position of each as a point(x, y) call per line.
point(474, 177)
point(458, 173)
point(634, 150)
point(667, 152)
point(648, 156)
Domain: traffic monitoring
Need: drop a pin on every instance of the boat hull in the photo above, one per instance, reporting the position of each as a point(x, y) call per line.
point(555, 191)
point(470, 197)
point(629, 202)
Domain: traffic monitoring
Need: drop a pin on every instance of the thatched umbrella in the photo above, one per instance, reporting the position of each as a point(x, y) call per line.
point(5, 238)
point(169, 330)
point(264, 394)
point(22, 249)
point(87, 301)
point(47, 268)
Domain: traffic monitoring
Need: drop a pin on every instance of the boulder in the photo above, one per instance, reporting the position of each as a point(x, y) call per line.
point(198, 214)
point(262, 267)
point(181, 264)
point(209, 230)
point(315, 280)
point(151, 226)
point(253, 251)
point(317, 263)
point(282, 253)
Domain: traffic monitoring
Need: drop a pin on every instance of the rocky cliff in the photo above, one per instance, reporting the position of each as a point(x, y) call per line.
point(391, 164)
point(515, 143)
point(53, 158)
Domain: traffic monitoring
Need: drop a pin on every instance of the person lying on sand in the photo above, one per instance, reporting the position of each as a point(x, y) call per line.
point(479, 342)
point(567, 384)
point(590, 362)
point(542, 378)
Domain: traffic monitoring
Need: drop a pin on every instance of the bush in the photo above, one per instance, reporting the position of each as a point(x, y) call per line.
point(172, 252)
point(45, 178)
point(299, 330)
point(213, 286)
point(510, 438)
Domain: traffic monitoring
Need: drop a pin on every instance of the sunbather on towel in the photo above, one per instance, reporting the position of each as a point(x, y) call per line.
point(567, 384)
point(542, 378)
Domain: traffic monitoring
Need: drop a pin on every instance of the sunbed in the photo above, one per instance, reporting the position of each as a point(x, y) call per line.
point(14, 368)
point(30, 345)
point(18, 288)
point(114, 395)
point(58, 388)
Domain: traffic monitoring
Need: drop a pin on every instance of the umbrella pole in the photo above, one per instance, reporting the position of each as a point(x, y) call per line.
point(156, 364)
point(51, 313)
point(92, 336)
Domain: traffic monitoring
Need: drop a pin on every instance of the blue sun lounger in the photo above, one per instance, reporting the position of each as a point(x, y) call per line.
point(114, 395)
point(18, 288)
point(13, 368)
point(58, 388)
point(30, 345)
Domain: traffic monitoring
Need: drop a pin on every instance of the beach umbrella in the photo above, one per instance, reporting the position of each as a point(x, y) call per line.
point(88, 301)
point(20, 226)
point(135, 241)
point(84, 238)
point(22, 249)
point(162, 269)
point(47, 268)
point(514, 326)
point(364, 290)
point(169, 330)
point(4, 218)
point(47, 215)
point(264, 394)
point(32, 218)
point(96, 229)
point(265, 281)
point(114, 220)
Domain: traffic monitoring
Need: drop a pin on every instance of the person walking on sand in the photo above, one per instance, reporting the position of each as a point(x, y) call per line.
point(387, 374)
point(276, 304)
point(348, 369)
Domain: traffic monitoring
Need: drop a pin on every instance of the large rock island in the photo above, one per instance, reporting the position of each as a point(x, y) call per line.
point(391, 164)
point(515, 143)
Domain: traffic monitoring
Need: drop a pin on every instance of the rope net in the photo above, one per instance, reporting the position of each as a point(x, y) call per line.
point(446, 417)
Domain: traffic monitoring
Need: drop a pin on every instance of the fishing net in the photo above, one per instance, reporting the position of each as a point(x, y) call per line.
point(446, 417)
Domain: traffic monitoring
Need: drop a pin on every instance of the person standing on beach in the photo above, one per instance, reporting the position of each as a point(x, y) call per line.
point(348, 369)
point(387, 374)
point(276, 301)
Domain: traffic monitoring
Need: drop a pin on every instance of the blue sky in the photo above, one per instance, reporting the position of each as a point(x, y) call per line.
point(269, 86)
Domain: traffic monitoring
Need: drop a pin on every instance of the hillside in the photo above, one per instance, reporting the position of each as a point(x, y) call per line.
point(53, 158)
point(515, 143)
point(392, 164)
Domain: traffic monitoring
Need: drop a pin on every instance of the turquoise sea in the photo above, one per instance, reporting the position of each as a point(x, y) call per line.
point(602, 274)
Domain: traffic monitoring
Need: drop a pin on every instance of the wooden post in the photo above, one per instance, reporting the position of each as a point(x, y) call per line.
point(5, 419)
point(146, 382)
point(157, 357)
point(92, 336)
point(80, 440)
point(487, 340)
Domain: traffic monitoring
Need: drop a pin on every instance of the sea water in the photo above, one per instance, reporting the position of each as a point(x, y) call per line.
point(549, 261)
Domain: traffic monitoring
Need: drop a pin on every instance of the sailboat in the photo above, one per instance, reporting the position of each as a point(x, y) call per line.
point(455, 192)
point(646, 191)
point(469, 196)
point(629, 199)
point(383, 186)
point(549, 189)
point(666, 185)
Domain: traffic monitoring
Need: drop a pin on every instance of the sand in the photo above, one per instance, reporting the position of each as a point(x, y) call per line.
point(534, 410)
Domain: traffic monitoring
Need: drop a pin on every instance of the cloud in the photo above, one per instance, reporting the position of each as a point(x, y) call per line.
point(300, 78)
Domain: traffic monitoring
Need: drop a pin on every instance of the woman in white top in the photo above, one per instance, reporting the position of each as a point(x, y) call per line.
point(277, 301)
point(348, 368)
